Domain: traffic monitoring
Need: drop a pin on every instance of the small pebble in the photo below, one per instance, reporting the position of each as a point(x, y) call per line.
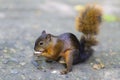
point(40, 67)
point(22, 63)
point(35, 63)
point(23, 77)
point(97, 60)
point(51, 67)
point(54, 72)
point(5, 50)
point(44, 71)
point(14, 71)
point(91, 63)
point(13, 50)
point(14, 60)
point(66, 76)
point(5, 61)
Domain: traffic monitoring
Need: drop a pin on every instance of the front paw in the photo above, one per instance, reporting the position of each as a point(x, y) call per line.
point(48, 61)
point(64, 71)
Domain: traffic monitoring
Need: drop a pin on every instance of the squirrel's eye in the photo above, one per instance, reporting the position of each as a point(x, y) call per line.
point(41, 43)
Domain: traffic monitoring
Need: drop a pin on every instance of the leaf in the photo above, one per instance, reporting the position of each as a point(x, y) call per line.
point(110, 18)
point(78, 7)
point(98, 66)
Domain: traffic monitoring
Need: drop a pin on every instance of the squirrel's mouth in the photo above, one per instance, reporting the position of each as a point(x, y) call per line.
point(38, 53)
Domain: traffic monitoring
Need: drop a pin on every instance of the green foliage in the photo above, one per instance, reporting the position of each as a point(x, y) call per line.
point(110, 18)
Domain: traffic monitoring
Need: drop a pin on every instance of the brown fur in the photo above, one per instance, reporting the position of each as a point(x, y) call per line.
point(53, 51)
point(67, 45)
point(68, 60)
point(88, 23)
point(88, 20)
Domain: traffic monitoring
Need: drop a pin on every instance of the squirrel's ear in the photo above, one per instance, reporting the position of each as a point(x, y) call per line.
point(43, 32)
point(48, 37)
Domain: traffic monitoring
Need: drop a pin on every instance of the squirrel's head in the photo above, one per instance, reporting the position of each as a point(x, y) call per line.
point(42, 43)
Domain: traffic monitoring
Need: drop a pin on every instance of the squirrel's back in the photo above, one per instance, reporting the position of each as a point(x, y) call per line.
point(70, 40)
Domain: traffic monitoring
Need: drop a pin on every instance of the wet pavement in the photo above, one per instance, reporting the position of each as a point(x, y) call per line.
point(22, 21)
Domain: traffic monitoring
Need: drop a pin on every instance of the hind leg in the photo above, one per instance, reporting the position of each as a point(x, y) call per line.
point(68, 56)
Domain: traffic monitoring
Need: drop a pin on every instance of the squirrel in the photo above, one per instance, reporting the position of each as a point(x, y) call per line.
point(66, 45)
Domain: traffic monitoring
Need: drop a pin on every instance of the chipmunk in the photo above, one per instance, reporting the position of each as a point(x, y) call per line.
point(66, 45)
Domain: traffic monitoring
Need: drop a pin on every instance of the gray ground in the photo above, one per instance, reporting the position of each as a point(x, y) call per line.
point(21, 22)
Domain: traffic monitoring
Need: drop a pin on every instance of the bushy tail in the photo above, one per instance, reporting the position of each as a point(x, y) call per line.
point(88, 23)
